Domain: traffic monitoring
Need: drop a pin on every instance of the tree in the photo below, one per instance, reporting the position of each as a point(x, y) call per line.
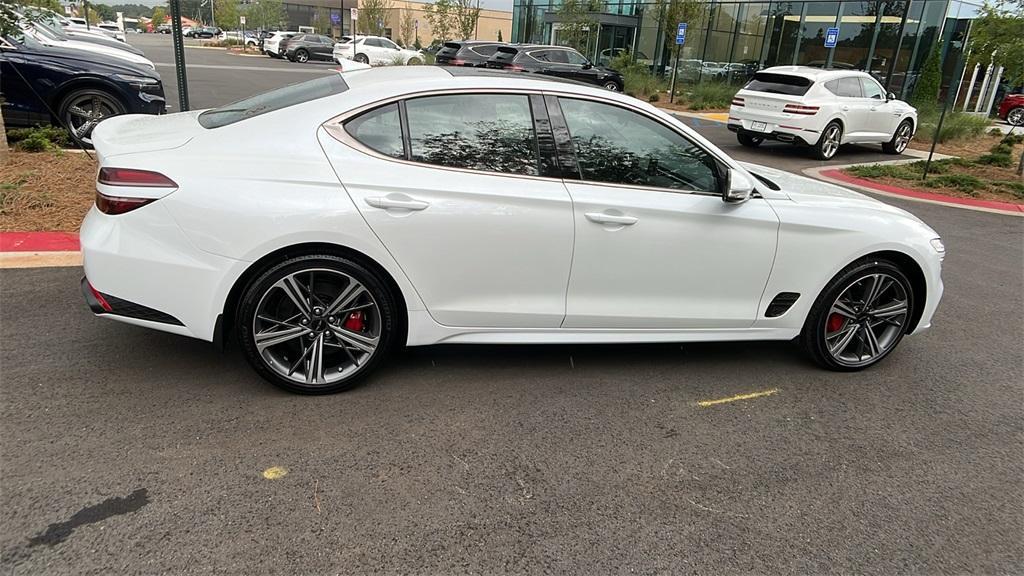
point(577, 20)
point(322, 21)
point(998, 31)
point(159, 16)
point(373, 16)
point(226, 14)
point(266, 14)
point(926, 92)
point(672, 12)
point(440, 17)
point(406, 27)
point(467, 14)
point(499, 35)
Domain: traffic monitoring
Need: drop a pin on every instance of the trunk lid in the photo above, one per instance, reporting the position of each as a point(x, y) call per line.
point(132, 133)
point(770, 91)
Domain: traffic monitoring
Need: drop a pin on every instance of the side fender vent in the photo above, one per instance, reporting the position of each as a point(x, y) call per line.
point(781, 304)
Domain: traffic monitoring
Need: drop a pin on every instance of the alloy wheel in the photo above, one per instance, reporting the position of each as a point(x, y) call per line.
point(316, 327)
point(612, 86)
point(84, 112)
point(902, 137)
point(301, 56)
point(867, 319)
point(1015, 117)
point(831, 144)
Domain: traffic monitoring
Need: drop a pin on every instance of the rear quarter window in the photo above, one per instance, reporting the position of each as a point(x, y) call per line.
point(779, 84)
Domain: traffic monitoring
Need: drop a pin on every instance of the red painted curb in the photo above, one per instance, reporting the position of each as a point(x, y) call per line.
point(993, 204)
point(39, 242)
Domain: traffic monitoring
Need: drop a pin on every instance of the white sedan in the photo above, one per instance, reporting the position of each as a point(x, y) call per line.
point(823, 109)
point(438, 205)
point(375, 51)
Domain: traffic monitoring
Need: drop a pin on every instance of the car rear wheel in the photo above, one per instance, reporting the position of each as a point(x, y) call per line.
point(301, 56)
point(860, 316)
point(414, 61)
point(900, 139)
point(1015, 117)
point(828, 144)
point(82, 110)
point(748, 140)
point(316, 324)
point(362, 59)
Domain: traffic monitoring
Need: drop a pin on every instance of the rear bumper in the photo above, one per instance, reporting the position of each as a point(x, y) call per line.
point(792, 136)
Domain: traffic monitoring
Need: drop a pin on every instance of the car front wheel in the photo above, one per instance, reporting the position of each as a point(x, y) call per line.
point(613, 86)
point(301, 56)
point(82, 110)
point(316, 324)
point(860, 316)
point(900, 139)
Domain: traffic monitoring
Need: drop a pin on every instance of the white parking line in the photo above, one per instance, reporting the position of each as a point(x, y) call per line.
point(253, 68)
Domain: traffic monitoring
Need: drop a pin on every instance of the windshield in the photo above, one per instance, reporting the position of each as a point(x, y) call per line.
point(273, 100)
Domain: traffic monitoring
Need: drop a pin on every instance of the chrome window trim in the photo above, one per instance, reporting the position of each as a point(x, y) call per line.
point(336, 129)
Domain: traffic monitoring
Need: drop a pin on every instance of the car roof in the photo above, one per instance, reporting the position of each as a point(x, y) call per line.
point(812, 73)
point(393, 80)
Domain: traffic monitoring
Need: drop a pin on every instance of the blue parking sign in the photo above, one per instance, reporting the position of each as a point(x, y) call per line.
point(681, 33)
point(831, 37)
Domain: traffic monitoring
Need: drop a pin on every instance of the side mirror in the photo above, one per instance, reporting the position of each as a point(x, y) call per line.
point(890, 96)
point(588, 65)
point(738, 187)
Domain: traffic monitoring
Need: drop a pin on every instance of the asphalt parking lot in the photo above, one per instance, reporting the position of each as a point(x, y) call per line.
point(124, 450)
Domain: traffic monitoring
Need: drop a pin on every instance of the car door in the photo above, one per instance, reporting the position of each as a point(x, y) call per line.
point(880, 115)
point(321, 47)
point(656, 247)
point(581, 68)
point(20, 105)
point(389, 50)
point(462, 205)
point(853, 107)
point(552, 62)
point(374, 51)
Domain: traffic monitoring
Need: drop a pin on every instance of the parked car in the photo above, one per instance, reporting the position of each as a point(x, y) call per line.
point(186, 31)
point(442, 204)
point(113, 29)
point(608, 54)
point(251, 38)
point(306, 47)
point(823, 109)
point(271, 45)
point(558, 61)
point(80, 88)
point(55, 23)
point(1011, 109)
point(163, 29)
point(375, 51)
point(59, 39)
point(472, 53)
point(205, 32)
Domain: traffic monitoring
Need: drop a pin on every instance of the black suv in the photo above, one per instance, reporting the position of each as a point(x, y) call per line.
point(557, 61)
point(467, 53)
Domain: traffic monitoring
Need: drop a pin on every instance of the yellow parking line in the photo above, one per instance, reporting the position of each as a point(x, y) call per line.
point(706, 403)
point(720, 116)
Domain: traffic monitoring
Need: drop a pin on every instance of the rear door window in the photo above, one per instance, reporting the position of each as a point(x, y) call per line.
point(491, 132)
point(379, 129)
point(773, 83)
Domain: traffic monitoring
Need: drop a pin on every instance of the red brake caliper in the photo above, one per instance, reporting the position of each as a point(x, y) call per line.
point(355, 322)
point(835, 322)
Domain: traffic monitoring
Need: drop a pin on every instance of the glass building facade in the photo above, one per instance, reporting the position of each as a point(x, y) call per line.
point(729, 41)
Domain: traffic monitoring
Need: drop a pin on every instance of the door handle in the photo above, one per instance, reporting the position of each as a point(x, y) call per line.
point(602, 218)
point(390, 203)
point(846, 108)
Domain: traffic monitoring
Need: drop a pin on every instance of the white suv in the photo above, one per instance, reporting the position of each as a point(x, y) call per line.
point(272, 45)
point(822, 109)
point(375, 51)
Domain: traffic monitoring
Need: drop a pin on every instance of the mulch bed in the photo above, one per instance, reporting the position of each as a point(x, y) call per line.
point(46, 191)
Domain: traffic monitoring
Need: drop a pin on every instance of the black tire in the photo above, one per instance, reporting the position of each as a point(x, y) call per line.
point(612, 86)
point(748, 140)
point(900, 138)
point(414, 61)
point(101, 103)
point(824, 149)
point(301, 55)
point(262, 297)
point(1015, 116)
point(816, 326)
point(362, 59)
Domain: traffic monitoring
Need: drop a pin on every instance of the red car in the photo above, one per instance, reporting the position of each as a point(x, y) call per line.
point(1011, 109)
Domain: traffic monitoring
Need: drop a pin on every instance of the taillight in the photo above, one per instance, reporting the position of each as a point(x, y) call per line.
point(119, 204)
point(136, 178)
point(737, 101)
point(801, 109)
point(515, 68)
point(456, 62)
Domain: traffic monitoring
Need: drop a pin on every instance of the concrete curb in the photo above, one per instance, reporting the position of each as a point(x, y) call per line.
point(39, 259)
point(834, 175)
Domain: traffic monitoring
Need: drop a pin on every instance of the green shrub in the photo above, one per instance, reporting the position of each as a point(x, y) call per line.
point(654, 97)
point(1015, 188)
point(53, 134)
point(962, 182)
point(926, 93)
point(902, 171)
point(955, 126)
point(637, 78)
point(710, 96)
point(996, 159)
point(1012, 139)
point(34, 143)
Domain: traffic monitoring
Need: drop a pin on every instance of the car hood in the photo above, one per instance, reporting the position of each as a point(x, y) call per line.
point(132, 133)
point(809, 191)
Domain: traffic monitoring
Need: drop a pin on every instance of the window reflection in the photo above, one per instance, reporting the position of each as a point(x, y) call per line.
point(492, 132)
point(622, 147)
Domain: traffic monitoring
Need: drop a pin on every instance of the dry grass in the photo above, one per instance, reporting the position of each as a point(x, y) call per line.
point(46, 191)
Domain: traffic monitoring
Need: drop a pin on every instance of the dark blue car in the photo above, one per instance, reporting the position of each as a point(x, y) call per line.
point(71, 88)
